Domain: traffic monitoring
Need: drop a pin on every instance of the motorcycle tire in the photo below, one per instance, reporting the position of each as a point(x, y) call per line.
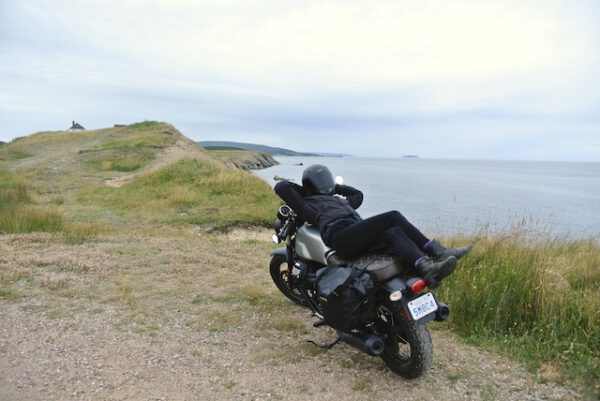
point(408, 348)
point(280, 275)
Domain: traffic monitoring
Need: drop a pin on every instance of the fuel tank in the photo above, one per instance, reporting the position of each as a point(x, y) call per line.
point(309, 244)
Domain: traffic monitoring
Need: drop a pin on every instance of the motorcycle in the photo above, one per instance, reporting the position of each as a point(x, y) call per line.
point(397, 332)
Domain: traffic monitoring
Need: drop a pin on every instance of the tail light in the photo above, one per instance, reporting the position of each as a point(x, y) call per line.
point(418, 285)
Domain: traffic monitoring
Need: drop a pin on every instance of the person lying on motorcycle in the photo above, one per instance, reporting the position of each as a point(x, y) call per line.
point(332, 208)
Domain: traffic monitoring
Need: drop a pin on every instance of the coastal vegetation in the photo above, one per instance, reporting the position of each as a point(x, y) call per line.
point(191, 191)
point(533, 298)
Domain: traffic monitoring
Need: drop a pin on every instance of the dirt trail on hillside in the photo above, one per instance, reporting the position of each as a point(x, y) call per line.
point(189, 319)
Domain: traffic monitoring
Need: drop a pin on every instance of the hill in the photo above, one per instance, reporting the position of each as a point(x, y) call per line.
point(221, 145)
point(138, 177)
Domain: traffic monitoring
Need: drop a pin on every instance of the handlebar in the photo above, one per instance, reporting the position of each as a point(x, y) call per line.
point(285, 212)
point(284, 232)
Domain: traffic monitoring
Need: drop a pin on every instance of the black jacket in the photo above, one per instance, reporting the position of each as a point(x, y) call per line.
point(322, 210)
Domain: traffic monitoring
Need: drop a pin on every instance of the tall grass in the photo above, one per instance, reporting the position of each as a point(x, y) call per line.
point(537, 298)
point(17, 212)
point(20, 214)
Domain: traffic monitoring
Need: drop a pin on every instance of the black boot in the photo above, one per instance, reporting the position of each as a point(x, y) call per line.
point(434, 272)
point(438, 252)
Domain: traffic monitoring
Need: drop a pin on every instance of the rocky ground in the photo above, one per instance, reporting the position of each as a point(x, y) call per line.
point(196, 317)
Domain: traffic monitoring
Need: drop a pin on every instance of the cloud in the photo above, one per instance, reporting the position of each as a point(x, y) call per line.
point(269, 68)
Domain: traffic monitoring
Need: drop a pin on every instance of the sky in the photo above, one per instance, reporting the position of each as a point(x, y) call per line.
point(462, 79)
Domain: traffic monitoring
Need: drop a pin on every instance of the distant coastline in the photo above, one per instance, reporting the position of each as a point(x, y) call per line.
point(273, 151)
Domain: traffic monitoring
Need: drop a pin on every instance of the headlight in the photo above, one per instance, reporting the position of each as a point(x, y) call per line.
point(283, 212)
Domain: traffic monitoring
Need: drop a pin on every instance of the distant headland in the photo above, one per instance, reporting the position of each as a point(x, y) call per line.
point(274, 151)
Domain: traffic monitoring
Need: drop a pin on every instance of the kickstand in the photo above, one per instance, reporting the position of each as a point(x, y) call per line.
point(325, 347)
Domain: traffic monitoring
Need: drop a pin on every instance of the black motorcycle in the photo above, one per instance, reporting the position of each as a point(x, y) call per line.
point(394, 308)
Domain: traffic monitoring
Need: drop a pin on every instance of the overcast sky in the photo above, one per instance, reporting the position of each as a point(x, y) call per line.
point(442, 79)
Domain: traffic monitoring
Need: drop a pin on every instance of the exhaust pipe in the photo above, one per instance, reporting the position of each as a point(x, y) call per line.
point(369, 344)
point(442, 313)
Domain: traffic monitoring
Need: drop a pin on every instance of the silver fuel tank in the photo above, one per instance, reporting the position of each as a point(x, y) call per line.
point(309, 244)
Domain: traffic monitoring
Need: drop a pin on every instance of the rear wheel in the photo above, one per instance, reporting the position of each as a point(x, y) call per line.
point(281, 273)
point(408, 348)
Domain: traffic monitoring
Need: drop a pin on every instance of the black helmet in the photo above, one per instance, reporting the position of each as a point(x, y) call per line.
point(318, 180)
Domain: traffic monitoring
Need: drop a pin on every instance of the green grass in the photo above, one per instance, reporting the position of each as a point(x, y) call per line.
point(122, 163)
point(12, 155)
point(144, 124)
point(536, 299)
point(135, 147)
point(191, 191)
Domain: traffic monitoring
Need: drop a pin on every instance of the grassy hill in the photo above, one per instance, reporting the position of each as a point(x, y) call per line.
point(143, 177)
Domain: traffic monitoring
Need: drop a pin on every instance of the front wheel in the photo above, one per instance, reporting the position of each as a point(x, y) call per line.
point(281, 273)
point(408, 348)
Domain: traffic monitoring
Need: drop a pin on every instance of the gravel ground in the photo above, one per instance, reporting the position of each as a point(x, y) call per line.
point(180, 319)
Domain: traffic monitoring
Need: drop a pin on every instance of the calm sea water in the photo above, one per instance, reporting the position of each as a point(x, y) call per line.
point(465, 196)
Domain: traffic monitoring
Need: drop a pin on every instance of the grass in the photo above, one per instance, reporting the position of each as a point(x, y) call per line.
point(122, 162)
point(135, 147)
point(20, 214)
point(66, 174)
point(536, 299)
point(12, 155)
point(192, 192)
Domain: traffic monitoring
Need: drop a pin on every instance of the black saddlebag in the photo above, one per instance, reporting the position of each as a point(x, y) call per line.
point(346, 296)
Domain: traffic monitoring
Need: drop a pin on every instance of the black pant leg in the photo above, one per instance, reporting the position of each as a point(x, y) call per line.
point(384, 228)
point(411, 231)
point(401, 246)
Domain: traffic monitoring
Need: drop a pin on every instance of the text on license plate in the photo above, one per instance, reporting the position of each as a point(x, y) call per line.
point(422, 306)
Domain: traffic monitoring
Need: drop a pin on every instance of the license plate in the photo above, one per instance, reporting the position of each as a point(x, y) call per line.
point(422, 306)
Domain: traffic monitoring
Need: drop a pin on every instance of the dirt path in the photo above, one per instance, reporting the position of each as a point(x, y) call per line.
point(175, 319)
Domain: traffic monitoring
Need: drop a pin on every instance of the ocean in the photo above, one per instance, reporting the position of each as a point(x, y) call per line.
point(449, 197)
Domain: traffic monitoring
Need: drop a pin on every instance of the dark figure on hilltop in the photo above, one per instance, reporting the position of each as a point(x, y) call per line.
point(332, 208)
point(76, 126)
